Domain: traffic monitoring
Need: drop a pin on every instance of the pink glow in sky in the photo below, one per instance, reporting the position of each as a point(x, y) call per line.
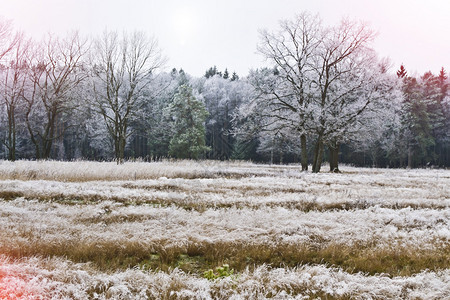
point(196, 35)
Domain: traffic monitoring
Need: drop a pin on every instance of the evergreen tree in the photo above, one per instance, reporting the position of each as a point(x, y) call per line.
point(441, 120)
point(174, 73)
point(234, 76)
point(401, 73)
point(226, 75)
point(443, 84)
point(417, 127)
point(245, 150)
point(188, 125)
point(211, 72)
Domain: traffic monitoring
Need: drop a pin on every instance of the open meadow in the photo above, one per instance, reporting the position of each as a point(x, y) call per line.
point(221, 230)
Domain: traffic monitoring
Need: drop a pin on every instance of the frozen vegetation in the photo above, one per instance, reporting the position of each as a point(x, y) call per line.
point(78, 230)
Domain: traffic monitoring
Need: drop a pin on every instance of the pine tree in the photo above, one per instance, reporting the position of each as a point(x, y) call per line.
point(417, 127)
point(440, 119)
point(401, 73)
point(212, 71)
point(443, 84)
point(245, 150)
point(209, 73)
point(234, 76)
point(188, 125)
point(226, 75)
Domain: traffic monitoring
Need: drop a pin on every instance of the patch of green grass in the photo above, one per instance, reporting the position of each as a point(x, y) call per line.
point(221, 272)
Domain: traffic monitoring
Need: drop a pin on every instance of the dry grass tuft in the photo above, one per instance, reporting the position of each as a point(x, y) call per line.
point(10, 195)
point(199, 256)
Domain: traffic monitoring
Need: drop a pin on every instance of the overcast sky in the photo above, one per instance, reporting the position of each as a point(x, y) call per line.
point(198, 34)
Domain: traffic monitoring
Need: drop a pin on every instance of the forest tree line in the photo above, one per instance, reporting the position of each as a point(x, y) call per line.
point(326, 96)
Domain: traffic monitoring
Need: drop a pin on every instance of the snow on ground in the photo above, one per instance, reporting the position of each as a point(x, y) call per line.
point(52, 207)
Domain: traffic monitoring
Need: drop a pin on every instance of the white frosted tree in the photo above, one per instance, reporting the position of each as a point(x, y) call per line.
point(278, 143)
point(122, 68)
point(292, 51)
point(323, 79)
point(377, 131)
point(13, 80)
point(151, 127)
point(222, 97)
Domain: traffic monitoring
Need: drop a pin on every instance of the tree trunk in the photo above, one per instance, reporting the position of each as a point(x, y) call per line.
point(47, 141)
point(410, 155)
point(318, 154)
point(334, 158)
point(11, 146)
point(373, 155)
point(304, 153)
point(319, 158)
point(271, 154)
point(11, 135)
point(120, 154)
point(47, 149)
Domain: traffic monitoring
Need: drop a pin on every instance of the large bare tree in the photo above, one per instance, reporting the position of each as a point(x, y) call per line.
point(55, 71)
point(122, 67)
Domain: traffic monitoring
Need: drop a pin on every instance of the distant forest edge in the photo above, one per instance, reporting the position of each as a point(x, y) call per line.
point(326, 96)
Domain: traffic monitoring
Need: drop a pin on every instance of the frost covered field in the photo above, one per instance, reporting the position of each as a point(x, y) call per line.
point(80, 230)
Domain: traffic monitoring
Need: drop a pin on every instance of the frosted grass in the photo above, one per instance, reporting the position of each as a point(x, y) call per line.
point(56, 278)
point(87, 170)
point(49, 223)
point(388, 189)
point(59, 205)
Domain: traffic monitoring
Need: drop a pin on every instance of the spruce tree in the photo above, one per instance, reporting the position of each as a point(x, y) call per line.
point(209, 73)
point(440, 119)
point(401, 73)
point(226, 75)
point(417, 125)
point(443, 84)
point(188, 125)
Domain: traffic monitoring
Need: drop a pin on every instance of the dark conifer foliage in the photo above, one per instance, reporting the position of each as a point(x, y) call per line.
point(401, 73)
